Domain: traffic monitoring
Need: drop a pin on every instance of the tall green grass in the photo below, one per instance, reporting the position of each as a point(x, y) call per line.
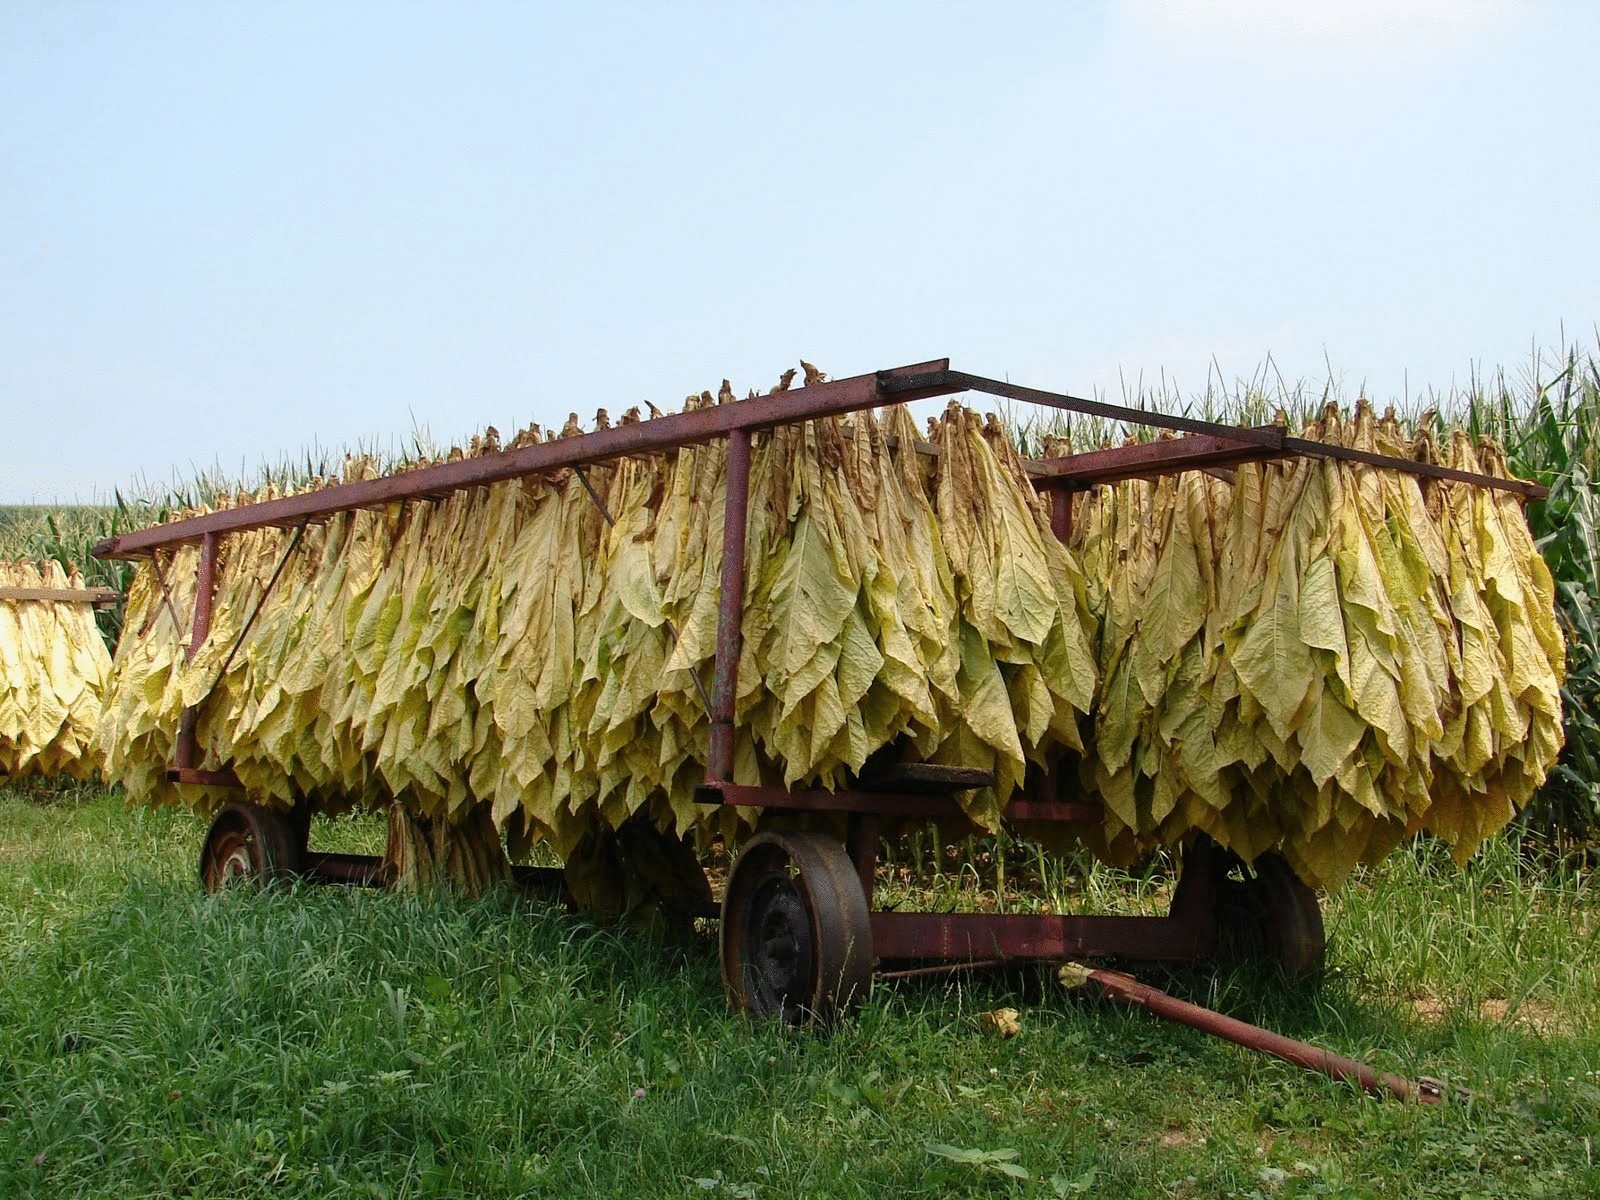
point(1548, 419)
point(68, 533)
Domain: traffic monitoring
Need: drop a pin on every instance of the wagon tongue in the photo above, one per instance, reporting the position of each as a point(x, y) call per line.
point(1125, 989)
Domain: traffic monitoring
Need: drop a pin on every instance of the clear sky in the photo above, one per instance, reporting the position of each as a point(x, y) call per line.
point(230, 230)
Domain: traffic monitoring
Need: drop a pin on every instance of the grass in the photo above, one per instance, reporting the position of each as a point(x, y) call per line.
point(68, 533)
point(156, 1042)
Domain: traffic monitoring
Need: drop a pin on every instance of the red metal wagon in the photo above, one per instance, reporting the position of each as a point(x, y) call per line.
point(800, 936)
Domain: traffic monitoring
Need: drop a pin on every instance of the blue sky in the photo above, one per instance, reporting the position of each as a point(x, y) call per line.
point(228, 231)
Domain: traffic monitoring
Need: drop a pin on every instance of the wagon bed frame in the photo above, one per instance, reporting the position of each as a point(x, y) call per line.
point(898, 942)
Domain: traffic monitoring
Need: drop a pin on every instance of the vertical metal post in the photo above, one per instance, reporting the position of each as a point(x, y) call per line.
point(1061, 514)
point(863, 848)
point(1048, 787)
point(730, 608)
point(1194, 900)
point(186, 755)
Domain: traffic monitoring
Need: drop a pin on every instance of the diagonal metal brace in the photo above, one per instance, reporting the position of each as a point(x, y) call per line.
point(261, 600)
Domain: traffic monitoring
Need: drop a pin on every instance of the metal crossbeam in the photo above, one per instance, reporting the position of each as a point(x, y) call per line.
point(901, 384)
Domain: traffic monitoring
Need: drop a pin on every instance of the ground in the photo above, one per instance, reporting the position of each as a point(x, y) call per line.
point(157, 1042)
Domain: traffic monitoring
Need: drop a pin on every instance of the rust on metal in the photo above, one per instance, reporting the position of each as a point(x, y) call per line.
point(1311, 449)
point(100, 597)
point(583, 478)
point(1045, 937)
point(835, 398)
point(884, 804)
point(862, 846)
point(1269, 436)
point(1125, 989)
point(1023, 809)
point(1095, 408)
point(166, 598)
point(1150, 460)
point(224, 778)
point(261, 601)
point(1060, 513)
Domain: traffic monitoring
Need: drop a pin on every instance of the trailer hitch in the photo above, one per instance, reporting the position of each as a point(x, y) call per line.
point(1125, 989)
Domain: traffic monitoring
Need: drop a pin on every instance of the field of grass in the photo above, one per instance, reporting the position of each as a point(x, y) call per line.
point(157, 1042)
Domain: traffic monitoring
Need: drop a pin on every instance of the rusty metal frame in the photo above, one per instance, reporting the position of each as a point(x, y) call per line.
point(166, 597)
point(1188, 933)
point(1270, 438)
point(1045, 937)
point(686, 428)
point(836, 398)
point(883, 804)
point(261, 601)
point(730, 607)
point(1149, 460)
point(1125, 989)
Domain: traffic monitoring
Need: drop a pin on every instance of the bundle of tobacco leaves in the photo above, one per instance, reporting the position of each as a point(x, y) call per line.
point(1313, 655)
point(535, 656)
point(53, 667)
point(1319, 657)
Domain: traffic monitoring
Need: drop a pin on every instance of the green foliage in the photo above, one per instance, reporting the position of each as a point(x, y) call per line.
point(329, 1043)
point(67, 534)
point(1551, 430)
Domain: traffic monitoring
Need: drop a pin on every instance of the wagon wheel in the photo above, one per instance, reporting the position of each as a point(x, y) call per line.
point(248, 845)
point(1266, 913)
point(796, 934)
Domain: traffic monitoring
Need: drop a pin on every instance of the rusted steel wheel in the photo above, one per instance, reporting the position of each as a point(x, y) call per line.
point(796, 934)
point(249, 846)
point(1267, 913)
